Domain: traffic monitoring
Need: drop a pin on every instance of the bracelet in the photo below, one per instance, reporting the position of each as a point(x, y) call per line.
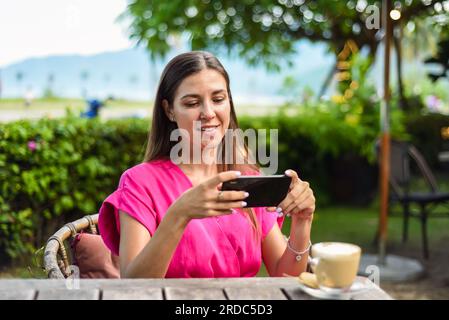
point(298, 253)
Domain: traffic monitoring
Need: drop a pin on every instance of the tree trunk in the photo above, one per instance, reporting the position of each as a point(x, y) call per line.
point(397, 38)
point(328, 79)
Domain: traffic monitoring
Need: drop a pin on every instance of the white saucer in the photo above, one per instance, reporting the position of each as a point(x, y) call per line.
point(335, 294)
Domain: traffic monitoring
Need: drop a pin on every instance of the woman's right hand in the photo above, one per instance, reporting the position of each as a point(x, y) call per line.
point(206, 200)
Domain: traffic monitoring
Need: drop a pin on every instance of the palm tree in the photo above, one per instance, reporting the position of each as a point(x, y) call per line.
point(107, 80)
point(419, 39)
point(19, 78)
point(49, 90)
point(84, 77)
point(413, 40)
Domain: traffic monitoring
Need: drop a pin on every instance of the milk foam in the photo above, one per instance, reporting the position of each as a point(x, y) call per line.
point(334, 249)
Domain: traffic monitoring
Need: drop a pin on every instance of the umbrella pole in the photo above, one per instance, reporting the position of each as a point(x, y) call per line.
point(385, 134)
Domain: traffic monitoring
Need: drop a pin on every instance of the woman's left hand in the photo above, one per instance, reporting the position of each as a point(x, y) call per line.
point(300, 201)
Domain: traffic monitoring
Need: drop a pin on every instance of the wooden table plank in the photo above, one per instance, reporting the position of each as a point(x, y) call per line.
point(255, 294)
point(180, 293)
point(27, 294)
point(256, 282)
point(245, 287)
point(297, 294)
point(66, 294)
point(133, 294)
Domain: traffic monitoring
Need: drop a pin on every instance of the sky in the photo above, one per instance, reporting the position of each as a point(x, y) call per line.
point(36, 28)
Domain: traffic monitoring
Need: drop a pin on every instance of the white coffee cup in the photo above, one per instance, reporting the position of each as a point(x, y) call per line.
point(335, 264)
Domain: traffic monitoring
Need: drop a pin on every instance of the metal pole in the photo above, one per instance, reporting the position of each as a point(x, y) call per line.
point(385, 134)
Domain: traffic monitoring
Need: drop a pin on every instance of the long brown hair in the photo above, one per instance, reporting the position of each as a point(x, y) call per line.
point(159, 144)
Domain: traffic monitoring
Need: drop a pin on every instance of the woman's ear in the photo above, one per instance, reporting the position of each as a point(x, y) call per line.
point(167, 110)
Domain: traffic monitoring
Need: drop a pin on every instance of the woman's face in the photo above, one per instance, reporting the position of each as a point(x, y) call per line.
point(201, 106)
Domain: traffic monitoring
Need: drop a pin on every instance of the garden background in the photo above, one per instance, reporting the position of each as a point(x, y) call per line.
point(56, 167)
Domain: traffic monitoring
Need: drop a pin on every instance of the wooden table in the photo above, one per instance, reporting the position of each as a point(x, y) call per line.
point(166, 289)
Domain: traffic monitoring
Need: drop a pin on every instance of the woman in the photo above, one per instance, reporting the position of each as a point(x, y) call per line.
point(172, 220)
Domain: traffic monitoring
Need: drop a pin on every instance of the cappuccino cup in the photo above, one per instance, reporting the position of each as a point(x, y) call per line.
point(335, 264)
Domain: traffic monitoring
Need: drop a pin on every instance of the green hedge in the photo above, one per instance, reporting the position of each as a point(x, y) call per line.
point(55, 170)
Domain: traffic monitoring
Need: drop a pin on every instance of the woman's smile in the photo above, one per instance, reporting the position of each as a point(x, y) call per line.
point(210, 130)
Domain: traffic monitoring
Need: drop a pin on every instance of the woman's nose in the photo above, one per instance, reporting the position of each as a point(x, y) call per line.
point(207, 112)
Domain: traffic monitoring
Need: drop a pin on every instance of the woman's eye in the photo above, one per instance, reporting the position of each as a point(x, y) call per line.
point(191, 104)
point(218, 100)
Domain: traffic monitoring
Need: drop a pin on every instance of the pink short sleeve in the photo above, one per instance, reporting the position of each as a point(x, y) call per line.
point(129, 198)
point(268, 221)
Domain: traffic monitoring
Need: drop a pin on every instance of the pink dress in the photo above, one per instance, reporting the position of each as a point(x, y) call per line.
point(211, 247)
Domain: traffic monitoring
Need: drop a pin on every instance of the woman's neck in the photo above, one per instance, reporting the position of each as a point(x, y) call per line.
point(198, 173)
point(199, 170)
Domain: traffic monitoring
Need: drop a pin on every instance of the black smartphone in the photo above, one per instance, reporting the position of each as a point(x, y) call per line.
point(264, 191)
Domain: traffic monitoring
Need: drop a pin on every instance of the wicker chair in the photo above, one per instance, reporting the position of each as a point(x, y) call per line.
point(56, 260)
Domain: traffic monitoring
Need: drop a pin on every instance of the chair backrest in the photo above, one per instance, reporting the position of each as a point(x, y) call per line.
point(89, 253)
point(400, 176)
point(402, 154)
point(423, 167)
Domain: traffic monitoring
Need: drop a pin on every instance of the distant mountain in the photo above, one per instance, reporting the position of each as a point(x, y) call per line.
point(130, 74)
point(122, 73)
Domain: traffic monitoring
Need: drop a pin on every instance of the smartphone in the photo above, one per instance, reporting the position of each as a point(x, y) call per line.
point(264, 191)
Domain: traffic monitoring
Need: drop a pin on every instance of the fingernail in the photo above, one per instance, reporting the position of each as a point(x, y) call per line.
point(238, 173)
point(288, 215)
point(280, 214)
point(287, 172)
point(244, 204)
point(278, 209)
point(246, 194)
